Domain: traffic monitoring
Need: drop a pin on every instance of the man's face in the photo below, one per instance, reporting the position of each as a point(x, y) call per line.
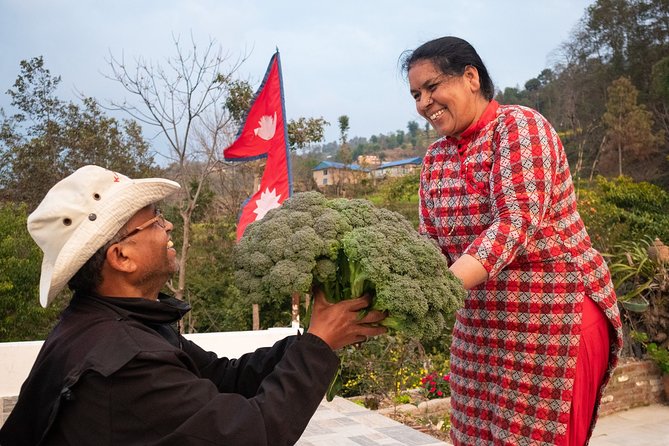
point(153, 251)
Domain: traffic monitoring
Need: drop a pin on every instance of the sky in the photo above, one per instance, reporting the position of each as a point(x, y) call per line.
point(338, 57)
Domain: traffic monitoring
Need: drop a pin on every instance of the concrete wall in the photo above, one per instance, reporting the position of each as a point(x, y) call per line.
point(634, 383)
point(18, 357)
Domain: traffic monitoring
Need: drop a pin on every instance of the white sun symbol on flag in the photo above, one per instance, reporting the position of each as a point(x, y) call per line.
point(268, 200)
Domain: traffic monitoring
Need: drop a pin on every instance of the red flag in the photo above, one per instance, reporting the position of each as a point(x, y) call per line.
point(265, 134)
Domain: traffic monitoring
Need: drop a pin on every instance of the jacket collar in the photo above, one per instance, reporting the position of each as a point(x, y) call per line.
point(164, 310)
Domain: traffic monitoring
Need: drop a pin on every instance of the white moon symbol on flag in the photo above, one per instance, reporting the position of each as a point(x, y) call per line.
point(267, 127)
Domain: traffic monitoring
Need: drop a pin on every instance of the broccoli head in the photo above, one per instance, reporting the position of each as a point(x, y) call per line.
point(349, 247)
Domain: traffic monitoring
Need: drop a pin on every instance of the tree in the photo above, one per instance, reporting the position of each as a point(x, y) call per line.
point(511, 95)
point(91, 137)
point(48, 138)
point(622, 38)
point(217, 305)
point(399, 137)
point(305, 131)
point(31, 137)
point(188, 101)
point(303, 168)
point(660, 92)
point(629, 125)
point(344, 155)
point(630, 35)
point(412, 127)
point(428, 132)
point(238, 102)
point(344, 127)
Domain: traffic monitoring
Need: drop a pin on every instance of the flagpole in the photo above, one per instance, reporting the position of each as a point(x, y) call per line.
point(285, 126)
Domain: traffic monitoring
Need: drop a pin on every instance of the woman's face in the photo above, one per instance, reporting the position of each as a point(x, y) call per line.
point(450, 103)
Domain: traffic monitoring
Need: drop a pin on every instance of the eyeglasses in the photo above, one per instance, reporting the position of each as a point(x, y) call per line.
point(159, 218)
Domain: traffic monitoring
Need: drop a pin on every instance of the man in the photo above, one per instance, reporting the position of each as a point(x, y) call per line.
point(115, 371)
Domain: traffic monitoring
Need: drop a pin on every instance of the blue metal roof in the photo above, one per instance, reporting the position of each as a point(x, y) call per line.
point(334, 165)
point(417, 160)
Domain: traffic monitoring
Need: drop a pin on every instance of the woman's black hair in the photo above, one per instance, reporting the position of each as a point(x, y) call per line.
point(451, 55)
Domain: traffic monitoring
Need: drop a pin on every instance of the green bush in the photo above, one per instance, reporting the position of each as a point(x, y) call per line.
point(21, 316)
point(384, 366)
point(620, 209)
point(400, 195)
point(210, 288)
point(657, 353)
point(633, 272)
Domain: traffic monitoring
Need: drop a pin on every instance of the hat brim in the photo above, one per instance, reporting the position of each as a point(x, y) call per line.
point(91, 235)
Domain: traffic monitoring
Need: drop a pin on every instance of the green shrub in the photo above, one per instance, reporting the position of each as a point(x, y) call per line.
point(400, 195)
point(384, 366)
point(21, 316)
point(657, 353)
point(620, 209)
point(633, 272)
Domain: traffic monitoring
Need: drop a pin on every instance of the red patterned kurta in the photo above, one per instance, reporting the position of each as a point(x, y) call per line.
point(503, 193)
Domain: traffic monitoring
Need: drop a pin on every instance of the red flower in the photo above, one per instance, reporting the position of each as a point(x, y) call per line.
point(436, 385)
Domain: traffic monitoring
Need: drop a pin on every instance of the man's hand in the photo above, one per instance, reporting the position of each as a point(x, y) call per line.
point(340, 324)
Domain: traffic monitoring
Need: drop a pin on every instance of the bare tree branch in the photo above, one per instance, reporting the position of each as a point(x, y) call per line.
point(184, 99)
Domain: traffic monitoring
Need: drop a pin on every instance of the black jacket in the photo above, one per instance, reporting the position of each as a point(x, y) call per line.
point(115, 372)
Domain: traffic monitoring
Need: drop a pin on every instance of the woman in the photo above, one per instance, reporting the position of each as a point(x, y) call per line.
point(540, 331)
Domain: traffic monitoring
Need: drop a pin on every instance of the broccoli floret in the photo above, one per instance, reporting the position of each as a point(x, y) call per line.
point(359, 213)
point(325, 271)
point(250, 286)
point(312, 202)
point(303, 244)
point(287, 277)
point(331, 226)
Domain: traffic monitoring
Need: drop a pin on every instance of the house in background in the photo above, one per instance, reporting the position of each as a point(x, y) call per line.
point(369, 161)
point(330, 173)
point(398, 168)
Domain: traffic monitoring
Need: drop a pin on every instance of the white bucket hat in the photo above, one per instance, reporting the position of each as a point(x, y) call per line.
point(80, 214)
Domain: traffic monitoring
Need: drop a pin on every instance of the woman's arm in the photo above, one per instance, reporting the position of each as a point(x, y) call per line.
point(521, 182)
point(469, 270)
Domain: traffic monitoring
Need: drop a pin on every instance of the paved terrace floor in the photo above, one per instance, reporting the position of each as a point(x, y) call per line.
point(343, 423)
point(643, 426)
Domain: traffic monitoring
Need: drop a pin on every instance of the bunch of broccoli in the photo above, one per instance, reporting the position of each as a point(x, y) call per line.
point(349, 247)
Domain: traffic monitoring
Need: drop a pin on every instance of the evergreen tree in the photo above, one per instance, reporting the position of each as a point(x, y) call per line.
point(628, 124)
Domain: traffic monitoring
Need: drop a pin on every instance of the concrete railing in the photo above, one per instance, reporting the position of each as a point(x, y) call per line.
point(17, 358)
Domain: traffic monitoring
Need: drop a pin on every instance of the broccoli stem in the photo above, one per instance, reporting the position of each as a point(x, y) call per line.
point(357, 278)
point(330, 289)
point(393, 323)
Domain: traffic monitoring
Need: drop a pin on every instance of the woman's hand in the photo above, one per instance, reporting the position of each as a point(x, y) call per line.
point(340, 324)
